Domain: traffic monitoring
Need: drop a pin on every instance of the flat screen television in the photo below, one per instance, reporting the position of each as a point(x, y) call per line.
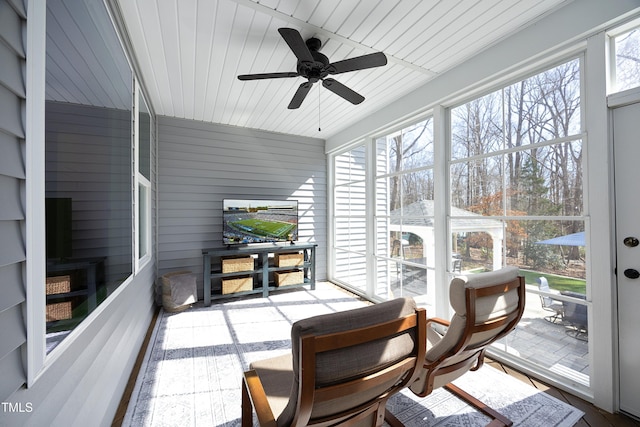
point(259, 221)
point(58, 214)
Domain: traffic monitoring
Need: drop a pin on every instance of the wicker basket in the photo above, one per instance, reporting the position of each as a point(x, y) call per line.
point(236, 265)
point(293, 277)
point(58, 285)
point(289, 259)
point(59, 311)
point(237, 284)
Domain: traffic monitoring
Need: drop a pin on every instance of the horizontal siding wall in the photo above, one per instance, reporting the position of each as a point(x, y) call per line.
point(84, 385)
point(12, 181)
point(200, 164)
point(88, 160)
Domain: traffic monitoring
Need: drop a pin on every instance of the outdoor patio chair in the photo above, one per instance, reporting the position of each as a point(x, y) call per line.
point(548, 303)
point(342, 369)
point(456, 265)
point(575, 315)
point(487, 306)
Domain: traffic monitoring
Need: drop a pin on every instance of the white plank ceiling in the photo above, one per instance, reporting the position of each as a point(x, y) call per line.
point(191, 51)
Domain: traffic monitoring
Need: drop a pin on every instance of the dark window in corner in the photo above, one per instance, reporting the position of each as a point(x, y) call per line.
point(89, 180)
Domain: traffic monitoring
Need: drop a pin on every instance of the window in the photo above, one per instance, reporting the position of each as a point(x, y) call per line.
point(143, 177)
point(390, 217)
point(90, 187)
point(627, 60)
point(516, 193)
point(509, 191)
point(350, 227)
point(404, 191)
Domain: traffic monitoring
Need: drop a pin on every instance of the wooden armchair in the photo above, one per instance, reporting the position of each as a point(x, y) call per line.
point(487, 306)
point(342, 369)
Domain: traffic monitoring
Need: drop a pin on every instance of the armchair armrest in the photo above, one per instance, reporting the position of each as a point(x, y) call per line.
point(443, 325)
point(254, 396)
point(439, 321)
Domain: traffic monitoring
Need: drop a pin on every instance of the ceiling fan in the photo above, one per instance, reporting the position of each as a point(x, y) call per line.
point(315, 66)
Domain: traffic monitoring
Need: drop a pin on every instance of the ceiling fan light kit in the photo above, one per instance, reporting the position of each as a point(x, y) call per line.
point(314, 66)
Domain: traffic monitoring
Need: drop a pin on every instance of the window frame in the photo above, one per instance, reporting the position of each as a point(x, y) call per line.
point(442, 161)
point(37, 361)
point(404, 170)
point(611, 35)
point(585, 216)
point(335, 217)
point(142, 210)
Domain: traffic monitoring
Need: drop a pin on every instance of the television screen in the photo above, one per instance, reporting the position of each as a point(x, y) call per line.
point(259, 221)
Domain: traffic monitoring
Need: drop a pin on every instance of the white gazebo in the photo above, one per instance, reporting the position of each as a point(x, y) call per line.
point(417, 218)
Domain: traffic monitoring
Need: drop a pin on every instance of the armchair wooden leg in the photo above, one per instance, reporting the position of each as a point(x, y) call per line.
point(392, 420)
point(498, 420)
point(247, 409)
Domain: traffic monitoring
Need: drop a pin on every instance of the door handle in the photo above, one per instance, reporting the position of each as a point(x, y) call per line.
point(631, 273)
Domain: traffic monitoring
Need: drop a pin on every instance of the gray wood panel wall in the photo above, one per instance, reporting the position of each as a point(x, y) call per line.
point(12, 179)
point(200, 164)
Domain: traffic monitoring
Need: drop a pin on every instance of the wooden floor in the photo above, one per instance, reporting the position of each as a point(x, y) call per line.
point(593, 417)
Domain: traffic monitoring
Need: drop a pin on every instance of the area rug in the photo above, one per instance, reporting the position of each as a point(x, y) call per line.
point(192, 371)
point(521, 403)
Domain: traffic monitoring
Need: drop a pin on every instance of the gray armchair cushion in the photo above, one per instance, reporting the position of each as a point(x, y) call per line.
point(352, 362)
point(276, 376)
point(486, 308)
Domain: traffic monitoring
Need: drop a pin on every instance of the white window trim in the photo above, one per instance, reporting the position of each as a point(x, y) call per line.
point(611, 53)
point(142, 261)
point(37, 360)
point(35, 265)
point(598, 179)
point(140, 180)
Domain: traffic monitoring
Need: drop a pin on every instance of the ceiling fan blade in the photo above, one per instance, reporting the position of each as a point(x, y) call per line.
point(300, 95)
point(343, 91)
point(267, 76)
point(371, 60)
point(296, 44)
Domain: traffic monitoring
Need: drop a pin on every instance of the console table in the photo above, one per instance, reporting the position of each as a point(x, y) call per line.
point(93, 271)
point(263, 269)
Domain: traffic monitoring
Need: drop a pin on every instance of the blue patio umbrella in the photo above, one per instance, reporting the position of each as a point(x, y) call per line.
point(575, 239)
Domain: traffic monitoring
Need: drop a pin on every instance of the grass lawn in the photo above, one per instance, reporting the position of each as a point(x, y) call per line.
point(559, 283)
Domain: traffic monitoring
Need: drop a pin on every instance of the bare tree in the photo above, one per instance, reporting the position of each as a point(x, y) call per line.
point(628, 60)
point(404, 148)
